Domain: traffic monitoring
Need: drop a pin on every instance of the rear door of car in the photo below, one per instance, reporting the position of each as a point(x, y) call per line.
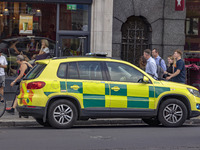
point(86, 81)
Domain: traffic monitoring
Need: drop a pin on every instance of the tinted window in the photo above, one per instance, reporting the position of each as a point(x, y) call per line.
point(72, 71)
point(35, 72)
point(90, 70)
point(62, 70)
point(123, 73)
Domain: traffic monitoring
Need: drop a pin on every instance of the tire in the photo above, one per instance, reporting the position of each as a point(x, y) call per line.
point(62, 114)
point(172, 113)
point(152, 121)
point(40, 121)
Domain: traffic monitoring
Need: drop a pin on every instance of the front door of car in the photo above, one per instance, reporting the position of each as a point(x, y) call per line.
point(127, 91)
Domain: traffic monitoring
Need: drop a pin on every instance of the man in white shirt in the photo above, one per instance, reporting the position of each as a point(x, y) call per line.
point(151, 67)
point(3, 65)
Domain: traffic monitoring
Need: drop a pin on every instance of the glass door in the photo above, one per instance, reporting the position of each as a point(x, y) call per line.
point(72, 45)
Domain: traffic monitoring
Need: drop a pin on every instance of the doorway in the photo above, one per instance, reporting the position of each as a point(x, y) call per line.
point(136, 35)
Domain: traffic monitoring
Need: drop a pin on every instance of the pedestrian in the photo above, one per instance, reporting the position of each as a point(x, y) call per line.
point(44, 48)
point(161, 66)
point(179, 70)
point(3, 65)
point(24, 68)
point(142, 63)
point(170, 66)
point(151, 67)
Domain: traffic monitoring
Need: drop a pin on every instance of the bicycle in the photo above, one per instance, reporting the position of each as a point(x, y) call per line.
point(2, 105)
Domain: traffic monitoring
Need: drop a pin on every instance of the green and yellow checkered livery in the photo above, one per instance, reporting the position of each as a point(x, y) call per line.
point(94, 94)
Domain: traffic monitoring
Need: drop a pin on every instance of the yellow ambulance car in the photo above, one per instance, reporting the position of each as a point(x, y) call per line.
point(60, 91)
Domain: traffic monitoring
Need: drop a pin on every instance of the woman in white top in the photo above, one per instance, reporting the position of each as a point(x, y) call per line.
point(44, 48)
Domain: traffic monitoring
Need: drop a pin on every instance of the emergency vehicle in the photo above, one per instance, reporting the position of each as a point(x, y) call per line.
point(59, 91)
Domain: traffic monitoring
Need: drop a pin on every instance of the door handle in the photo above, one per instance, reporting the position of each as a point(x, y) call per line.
point(115, 88)
point(75, 87)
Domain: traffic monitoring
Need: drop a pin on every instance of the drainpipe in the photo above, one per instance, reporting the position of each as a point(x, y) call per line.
point(163, 29)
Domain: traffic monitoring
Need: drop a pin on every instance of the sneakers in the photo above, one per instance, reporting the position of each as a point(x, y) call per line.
point(10, 110)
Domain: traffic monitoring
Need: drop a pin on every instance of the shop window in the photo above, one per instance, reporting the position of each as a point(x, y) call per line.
point(74, 17)
point(192, 26)
point(22, 27)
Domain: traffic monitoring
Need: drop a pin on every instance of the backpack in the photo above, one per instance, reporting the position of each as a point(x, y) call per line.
point(160, 70)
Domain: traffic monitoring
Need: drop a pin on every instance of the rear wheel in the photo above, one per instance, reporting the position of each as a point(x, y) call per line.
point(62, 114)
point(172, 113)
point(152, 121)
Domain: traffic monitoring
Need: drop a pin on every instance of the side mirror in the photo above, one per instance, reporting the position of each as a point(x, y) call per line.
point(145, 79)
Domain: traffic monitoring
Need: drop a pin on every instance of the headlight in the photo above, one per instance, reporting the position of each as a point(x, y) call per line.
point(194, 92)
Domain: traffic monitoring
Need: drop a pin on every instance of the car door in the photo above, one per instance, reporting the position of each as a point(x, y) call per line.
point(95, 88)
point(128, 92)
point(86, 79)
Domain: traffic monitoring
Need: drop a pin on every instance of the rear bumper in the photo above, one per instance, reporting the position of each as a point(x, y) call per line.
point(37, 112)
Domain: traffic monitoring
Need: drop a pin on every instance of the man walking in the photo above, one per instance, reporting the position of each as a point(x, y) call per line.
point(151, 67)
point(179, 70)
point(3, 65)
point(158, 59)
point(161, 66)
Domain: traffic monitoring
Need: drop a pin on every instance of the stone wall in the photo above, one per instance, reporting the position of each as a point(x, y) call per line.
point(101, 26)
point(166, 38)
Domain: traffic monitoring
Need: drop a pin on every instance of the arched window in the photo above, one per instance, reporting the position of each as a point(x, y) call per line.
point(136, 37)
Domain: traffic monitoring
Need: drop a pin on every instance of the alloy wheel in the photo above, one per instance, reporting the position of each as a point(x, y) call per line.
point(172, 113)
point(63, 114)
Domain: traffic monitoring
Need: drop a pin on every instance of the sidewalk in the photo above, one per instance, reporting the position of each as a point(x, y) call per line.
point(8, 120)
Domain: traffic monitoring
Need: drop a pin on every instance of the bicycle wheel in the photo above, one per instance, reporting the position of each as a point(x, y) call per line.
point(2, 105)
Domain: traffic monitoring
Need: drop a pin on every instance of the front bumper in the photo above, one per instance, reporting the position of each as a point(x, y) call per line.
point(36, 112)
point(195, 114)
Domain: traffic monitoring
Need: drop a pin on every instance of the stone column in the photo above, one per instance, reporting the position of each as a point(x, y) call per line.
point(101, 26)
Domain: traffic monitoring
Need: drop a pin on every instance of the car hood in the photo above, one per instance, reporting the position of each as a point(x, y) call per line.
point(178, 85)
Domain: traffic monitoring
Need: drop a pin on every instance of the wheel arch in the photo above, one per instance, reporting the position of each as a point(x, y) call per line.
point(182, 98)
point(69, 98)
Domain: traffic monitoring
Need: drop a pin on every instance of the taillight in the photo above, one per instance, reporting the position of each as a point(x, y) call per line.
point(36, 85)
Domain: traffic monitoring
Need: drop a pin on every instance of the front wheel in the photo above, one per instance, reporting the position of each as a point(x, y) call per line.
point(172, 113)
point(62, 114)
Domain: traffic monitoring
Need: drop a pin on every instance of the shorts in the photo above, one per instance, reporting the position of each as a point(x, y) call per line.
point(2, 81)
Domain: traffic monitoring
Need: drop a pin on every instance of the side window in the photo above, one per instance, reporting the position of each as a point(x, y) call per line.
point(72, 71)
point(90, 70)
point(62, 70)
point(123, 73)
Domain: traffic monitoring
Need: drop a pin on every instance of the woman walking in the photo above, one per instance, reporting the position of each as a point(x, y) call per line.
point(24, 68)
point(170, 66)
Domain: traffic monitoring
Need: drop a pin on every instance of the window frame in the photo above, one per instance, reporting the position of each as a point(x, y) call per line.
point(65, 71)
point(103, 71)
point(108, 74)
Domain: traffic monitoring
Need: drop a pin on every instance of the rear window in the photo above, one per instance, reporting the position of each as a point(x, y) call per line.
point(35, 72)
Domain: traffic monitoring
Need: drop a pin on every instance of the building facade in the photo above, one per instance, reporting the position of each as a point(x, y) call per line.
point(121, 28)
point(141, 24)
